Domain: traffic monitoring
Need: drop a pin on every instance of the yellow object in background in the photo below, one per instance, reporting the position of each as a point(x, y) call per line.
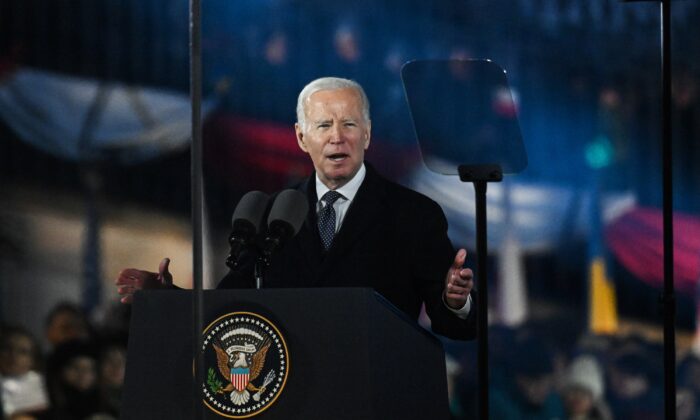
point(602, 318)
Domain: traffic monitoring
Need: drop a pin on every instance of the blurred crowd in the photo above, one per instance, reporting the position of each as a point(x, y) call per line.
point(78, 374)
point(535, 375)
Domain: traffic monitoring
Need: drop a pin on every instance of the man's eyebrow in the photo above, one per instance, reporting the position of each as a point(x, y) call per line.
point(322, 121)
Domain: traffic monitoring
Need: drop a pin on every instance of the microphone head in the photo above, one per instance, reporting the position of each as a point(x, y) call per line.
point(248, 216)
point(290, 208)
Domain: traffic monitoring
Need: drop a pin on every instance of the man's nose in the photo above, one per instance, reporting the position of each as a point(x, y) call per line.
point(336, 134)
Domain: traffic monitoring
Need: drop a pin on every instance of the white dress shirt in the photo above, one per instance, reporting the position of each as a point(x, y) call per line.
point(347, 191)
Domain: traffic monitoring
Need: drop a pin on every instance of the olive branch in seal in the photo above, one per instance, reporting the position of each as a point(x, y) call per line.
point(214, 383)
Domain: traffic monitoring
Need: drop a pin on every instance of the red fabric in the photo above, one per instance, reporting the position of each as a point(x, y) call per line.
point(636, 239)
point(250, 153)
point(253, 154)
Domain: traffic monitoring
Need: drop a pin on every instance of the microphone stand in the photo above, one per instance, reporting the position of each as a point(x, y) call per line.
point(280, 231)
point(272, 242)
point(480, 176)
point(264, 252)
point(239, 248)
point(261, 263)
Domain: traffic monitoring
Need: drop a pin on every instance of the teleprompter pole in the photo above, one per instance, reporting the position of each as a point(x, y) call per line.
point(480, 176)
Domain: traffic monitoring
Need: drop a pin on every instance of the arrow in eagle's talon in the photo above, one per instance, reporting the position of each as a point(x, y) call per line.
point(268, 379)
point(256, 396)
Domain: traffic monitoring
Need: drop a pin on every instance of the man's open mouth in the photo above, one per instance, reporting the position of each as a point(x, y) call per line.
point(337, 157)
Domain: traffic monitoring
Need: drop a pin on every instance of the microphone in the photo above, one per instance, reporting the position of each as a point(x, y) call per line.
point(286, 217)
point(247, 219)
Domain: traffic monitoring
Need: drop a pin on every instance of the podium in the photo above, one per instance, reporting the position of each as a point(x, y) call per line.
point(350, 355)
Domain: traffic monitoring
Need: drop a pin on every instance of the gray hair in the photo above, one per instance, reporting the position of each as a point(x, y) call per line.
point(329, 83)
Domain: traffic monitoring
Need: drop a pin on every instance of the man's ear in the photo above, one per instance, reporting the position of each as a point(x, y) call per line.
point(368, 134)
point(300, 137)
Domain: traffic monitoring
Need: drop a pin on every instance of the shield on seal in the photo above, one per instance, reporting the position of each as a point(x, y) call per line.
point(240, 377)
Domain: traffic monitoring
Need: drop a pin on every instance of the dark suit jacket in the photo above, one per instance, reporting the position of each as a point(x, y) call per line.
point(392, 239)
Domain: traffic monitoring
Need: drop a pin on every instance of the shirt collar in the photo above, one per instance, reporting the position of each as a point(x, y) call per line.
point(348, 190)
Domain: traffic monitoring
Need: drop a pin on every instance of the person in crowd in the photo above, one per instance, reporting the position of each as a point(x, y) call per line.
point(22, 385)
point(583, 390)
point(688, 392)
point(361, 229)
point(687, 406)
point(633, 391)
point(72, 381)
point(111, 368)
point(529, 392)
point(66, 322)
point(689, 372)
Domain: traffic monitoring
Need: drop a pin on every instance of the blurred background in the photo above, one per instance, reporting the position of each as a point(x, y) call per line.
point(95, 177)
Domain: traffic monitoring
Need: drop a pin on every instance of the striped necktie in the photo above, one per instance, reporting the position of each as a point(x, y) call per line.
point(326, 218)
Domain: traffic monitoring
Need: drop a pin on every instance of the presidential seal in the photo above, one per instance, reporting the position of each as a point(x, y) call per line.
point(246, 364)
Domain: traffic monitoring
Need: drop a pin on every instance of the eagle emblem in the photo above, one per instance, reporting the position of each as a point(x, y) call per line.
point(244, 366)
point(251, 364)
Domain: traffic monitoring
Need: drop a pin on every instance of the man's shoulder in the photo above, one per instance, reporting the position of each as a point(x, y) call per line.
point(409, 194)
point(405, 196)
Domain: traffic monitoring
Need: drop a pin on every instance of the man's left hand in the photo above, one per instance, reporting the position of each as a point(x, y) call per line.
point(458, 282)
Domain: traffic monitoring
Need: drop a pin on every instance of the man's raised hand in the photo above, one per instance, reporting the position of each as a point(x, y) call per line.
point(458, 282)
point(131, 279)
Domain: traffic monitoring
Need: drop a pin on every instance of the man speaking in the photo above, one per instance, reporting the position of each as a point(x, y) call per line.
point(361, 229)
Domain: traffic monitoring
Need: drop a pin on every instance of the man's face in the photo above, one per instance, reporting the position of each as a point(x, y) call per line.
point(336, 135)
point(80, 373)
point(66, 326)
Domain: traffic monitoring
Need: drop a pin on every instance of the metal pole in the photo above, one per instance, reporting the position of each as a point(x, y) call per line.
point(482, 303)
point(197, 196)
point(668, 298)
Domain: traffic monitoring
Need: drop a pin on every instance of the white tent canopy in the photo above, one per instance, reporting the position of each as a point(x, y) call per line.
point(84, 119)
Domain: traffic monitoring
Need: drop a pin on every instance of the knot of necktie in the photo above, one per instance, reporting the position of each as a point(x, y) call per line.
point(331, 197)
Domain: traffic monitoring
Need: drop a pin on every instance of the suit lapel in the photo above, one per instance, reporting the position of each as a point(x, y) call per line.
point(308, 236)
point(364, 212)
